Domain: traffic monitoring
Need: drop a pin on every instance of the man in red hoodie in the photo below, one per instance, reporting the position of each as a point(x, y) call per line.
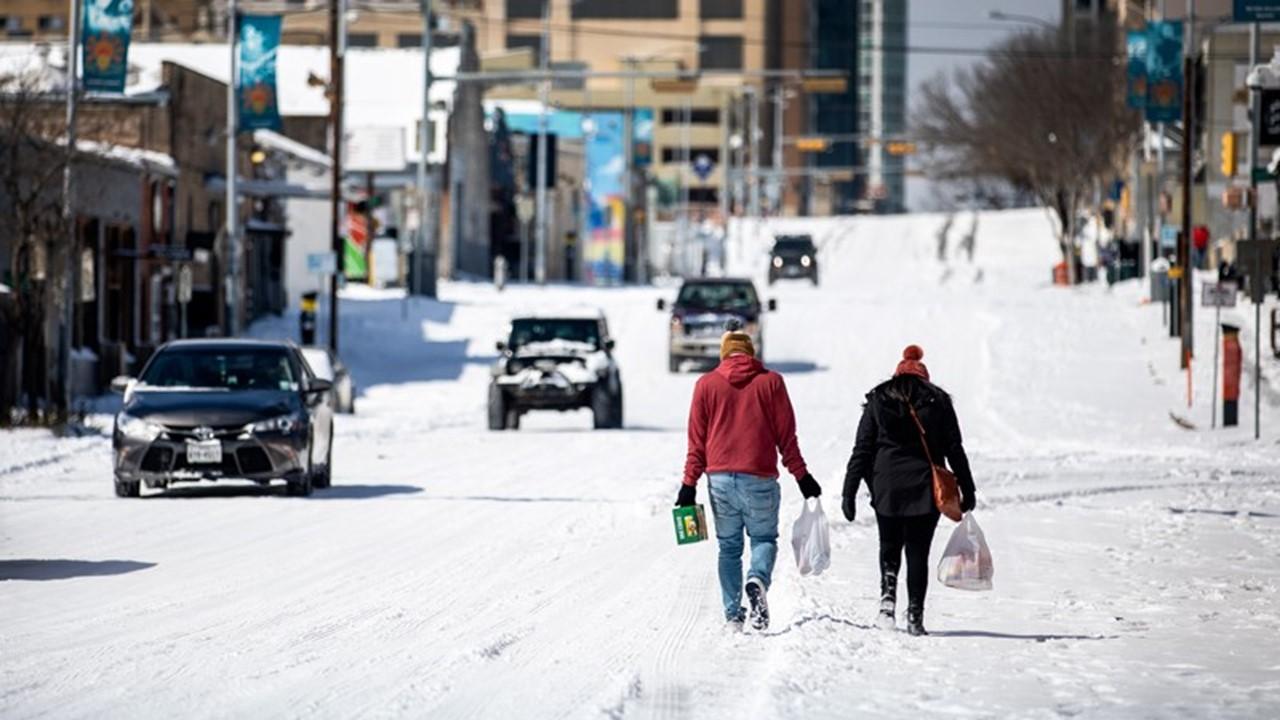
point(739, 421)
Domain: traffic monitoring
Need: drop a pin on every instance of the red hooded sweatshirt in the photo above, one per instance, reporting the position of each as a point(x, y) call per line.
point(740, 420)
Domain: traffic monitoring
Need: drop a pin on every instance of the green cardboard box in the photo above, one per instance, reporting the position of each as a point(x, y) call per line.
point(691, 524)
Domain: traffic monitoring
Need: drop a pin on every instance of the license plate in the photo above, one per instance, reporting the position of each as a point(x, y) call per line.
point(204, 452)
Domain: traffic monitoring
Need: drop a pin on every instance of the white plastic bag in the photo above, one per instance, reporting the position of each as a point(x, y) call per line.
point(966, 564)
point(810, 539)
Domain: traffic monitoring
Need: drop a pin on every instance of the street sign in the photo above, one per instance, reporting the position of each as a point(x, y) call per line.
point(184, 283)
point(702, 166)
point(1169, 237)
point(1270, 134)
point(375, 149)
point(321, 263)
point(1219, 295)
point(1251, 11)
point(170, 253)
point(1262, 174)
point(1256, 259)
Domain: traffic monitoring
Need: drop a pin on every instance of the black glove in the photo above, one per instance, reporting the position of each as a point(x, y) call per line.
point(849, 507)
point(968, 500)
point(688, 496)
point(809, 487)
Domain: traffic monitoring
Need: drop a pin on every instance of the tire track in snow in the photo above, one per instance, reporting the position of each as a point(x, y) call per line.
point(664, 689)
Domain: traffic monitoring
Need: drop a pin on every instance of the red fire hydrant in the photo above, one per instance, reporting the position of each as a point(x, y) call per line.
point(1231, 366)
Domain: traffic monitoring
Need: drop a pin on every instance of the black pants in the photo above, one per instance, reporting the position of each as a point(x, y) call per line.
point(915, 535)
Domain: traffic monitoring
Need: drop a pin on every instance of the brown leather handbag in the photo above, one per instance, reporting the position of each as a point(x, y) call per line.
point(946, 490)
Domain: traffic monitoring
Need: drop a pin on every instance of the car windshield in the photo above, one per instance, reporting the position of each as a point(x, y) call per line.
point(793, 245)
point(717, 296)
point(216, 369)
point(583, 333)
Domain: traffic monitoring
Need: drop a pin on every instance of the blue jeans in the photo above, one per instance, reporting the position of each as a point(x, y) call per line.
point(744, 502)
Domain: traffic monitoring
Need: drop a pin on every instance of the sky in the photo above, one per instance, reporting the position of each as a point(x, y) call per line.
point(957, 24)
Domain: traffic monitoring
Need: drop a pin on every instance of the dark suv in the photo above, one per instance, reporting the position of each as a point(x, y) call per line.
point(793, 256)
point(700, 313)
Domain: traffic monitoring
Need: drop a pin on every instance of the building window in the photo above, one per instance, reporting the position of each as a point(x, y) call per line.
point(10, 24)
point(720, 52)
point(365, 40)
point(703, 196)
point(698, 116)
point(626, 10)
point(409, 40)
point(721, 9)
point(676, 154)
point(533, 42)
point(51, 23)
point(524, 9)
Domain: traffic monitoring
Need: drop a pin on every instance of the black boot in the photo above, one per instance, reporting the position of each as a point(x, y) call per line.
point(887, 619)
point(915, 620)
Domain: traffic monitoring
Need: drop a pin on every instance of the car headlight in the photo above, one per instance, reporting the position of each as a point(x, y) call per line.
point(676, 325)
point(283, 424)
point(777, 262)
point(137, 428)
point(806, 261)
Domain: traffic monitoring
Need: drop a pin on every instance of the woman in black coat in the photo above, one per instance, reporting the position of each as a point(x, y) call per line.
point(890, 456)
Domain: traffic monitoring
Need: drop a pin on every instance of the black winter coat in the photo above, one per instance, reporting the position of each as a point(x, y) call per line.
point(888, 453)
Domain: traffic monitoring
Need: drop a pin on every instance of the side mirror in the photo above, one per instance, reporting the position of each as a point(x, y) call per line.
point(662, 305)
point(319, 385)
point(773, 305)
point(120, 383)
point(500, 346)
point(608, 344)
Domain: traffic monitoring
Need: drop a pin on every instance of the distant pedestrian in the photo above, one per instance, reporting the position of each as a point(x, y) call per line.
point(739, 421)
point(970, 239)
point(942, 236)
point(899, 417)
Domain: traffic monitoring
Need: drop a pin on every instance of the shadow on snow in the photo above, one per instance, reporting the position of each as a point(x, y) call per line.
point(39, 570)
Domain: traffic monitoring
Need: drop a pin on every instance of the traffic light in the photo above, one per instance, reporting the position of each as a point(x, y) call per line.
point(1228, 165)
point(900, 147)
point(812, 144)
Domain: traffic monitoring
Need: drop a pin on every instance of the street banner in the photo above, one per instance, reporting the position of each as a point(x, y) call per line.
point(1249, 11)
point(107, 27)
point(642, 138)
point(1164, 71)
point(1136, 70)
point(259, 36)
point(355, 245)
point(606, 213)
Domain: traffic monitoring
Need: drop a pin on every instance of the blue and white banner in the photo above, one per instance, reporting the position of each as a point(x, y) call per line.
point(1164, 71)
point(259, 37)
point(107, 27)
point(1136, 71)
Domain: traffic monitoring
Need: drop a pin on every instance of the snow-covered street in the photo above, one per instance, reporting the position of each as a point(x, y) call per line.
point(452, 571)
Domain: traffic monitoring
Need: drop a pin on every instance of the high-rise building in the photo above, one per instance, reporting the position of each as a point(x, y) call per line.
point(882, 98)
point(833, 33)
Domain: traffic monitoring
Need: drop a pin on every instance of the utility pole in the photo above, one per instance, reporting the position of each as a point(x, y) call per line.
point(1255, 113)
point(233, 206)
point(779, 180)
point(540, 212)
point(337, 48)
point(753, 176)
point(425, 252)
point(1188, 146)
point(68, 209)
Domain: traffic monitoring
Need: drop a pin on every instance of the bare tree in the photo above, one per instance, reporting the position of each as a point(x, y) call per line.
point(1042, 113)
